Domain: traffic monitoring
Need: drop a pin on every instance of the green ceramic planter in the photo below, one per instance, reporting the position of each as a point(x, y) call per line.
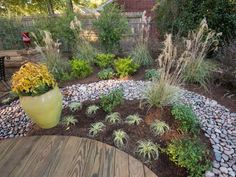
point(44, 110)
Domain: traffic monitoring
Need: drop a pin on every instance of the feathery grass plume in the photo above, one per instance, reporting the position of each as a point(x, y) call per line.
point(197, 45)
point(164, 91)
point(83, 48)
point(52, 57)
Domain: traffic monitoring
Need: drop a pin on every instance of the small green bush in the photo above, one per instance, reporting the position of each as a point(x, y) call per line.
point(80, 68)
point(151, 74)
point(106, 74)
point(104, 60)
point(141, 55)
point(111, 25)
point(113, 99)
point(190, 154)
point(125, 67)
point(187, 118)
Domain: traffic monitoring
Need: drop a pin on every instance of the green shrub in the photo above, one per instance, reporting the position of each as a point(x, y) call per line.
point(141, 55)
point(187, 118)
point(113, 99)
point(106, 74)
point(190, 154)
point(151, 74)
point(181, 16)
point(10, 33)
point(58, 26)
point(111, 25)
point(80, 68)
point(104, 60)
point(125, 67)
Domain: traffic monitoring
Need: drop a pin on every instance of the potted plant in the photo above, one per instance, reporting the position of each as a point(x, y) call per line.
point(39, 94)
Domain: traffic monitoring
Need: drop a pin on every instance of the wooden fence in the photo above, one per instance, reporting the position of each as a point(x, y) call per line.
point(135, 19)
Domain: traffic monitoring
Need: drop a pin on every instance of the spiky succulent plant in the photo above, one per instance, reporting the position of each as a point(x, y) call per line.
point(74, 106)
point(120, 138)
point(69, 120)
point(158, 127)
point(133, 119)
point(96, 128)
point(148, 150)
point(92, 110)
point(113, 118)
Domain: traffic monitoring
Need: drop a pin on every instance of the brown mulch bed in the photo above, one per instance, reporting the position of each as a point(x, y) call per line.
point(163, 167)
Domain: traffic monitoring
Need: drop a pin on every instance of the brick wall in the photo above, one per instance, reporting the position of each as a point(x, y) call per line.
point(138, 5)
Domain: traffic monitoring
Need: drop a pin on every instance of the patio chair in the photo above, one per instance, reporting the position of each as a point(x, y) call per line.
point(2, 72)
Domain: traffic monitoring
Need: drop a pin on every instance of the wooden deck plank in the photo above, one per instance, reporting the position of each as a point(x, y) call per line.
point(136, 168)
point(57, 156)
point(74, 156)
point(121, 164)
point(37, 159)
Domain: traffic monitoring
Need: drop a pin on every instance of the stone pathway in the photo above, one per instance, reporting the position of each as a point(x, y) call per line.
point(217, 121)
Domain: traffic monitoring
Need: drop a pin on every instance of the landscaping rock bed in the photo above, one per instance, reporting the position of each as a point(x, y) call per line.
point(217, 121)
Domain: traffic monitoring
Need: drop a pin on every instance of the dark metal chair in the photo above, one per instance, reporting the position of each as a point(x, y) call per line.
point(2, 72)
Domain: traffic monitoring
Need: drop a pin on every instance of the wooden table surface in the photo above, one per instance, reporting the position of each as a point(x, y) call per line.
point(60, 156)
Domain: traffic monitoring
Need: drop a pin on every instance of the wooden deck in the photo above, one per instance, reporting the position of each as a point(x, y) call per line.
point(58, 156)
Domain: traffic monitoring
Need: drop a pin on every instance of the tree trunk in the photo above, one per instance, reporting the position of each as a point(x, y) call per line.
point(70, 5)
point(50, 7)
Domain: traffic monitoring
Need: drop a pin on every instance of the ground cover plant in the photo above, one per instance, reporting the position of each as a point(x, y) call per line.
point(104, 60)
point(106, 74)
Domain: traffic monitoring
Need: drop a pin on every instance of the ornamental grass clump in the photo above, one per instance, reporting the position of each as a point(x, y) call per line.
point(197, 46)
point(32, 80)
point(113, 118)
point(164, 91)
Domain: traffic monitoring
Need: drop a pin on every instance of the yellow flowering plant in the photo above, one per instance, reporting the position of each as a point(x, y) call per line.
point(32, 80)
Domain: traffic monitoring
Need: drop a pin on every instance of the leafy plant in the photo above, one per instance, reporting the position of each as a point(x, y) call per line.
point(92, 109)
point(125, 67)
point(80, 68)
point(159, 128)
point(96, 128)
point(133, 119)
point(32, 79)
point(151, 74)
point(120, 138)
point(190, 154)
point(106, 74)
point(52, 57)
point(181, 16)
point(69, 120)
point(148, 150)
point(113, 118)
point(104, 60)
point(113, 99)
point(141, 55)
point(187, 118)
point(74, 106)
point(110, 31)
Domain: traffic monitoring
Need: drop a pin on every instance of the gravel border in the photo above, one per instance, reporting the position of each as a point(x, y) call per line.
point(218, 123)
